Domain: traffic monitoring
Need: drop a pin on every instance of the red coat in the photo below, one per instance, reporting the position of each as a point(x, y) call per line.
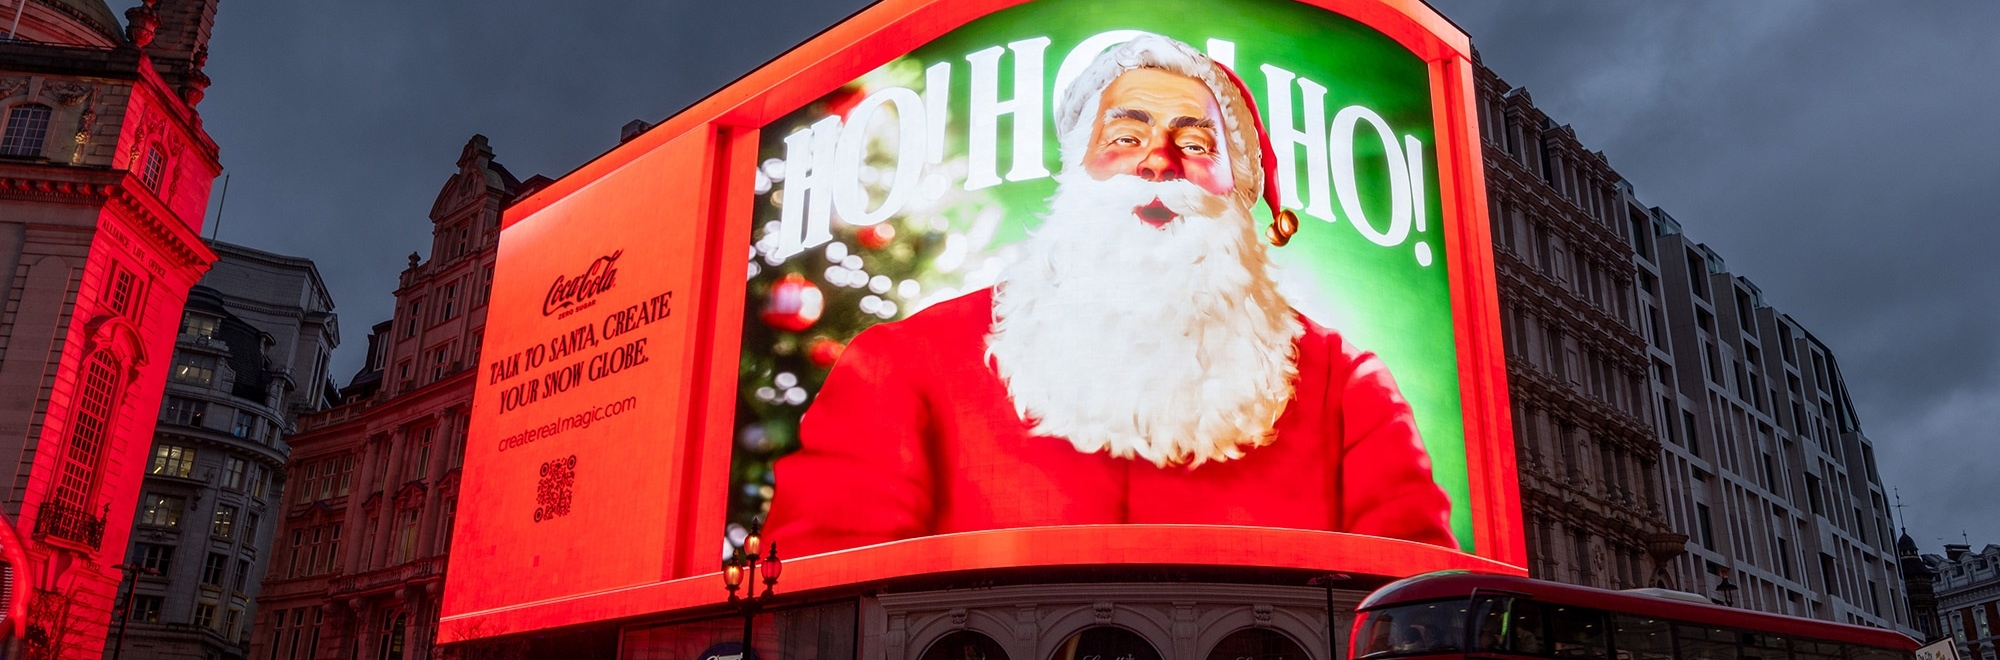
point(913, 434)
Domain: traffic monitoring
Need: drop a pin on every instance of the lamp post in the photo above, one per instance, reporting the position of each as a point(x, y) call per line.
point(1327, 581)
point(741, 569)
point(125, 613)
point(1728, 591)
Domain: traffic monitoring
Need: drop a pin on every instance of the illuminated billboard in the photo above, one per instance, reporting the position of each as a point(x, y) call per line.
point(964, 285)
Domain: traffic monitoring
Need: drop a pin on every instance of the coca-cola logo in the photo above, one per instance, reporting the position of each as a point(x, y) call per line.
point(572, 293)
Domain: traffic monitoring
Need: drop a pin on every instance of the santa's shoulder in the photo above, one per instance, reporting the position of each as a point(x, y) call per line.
point(942, 325)
point(1324, 342)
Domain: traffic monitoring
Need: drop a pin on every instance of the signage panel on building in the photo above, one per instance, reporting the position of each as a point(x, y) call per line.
point(985, 285)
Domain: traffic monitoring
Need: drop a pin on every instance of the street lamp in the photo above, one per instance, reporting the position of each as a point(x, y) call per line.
point(1328, 580)
point(1728, 591)
point(125, 613)
point(742, 568)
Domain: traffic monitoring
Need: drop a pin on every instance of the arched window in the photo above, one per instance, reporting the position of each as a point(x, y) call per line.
point(1257, 644)
point(391, 645)
point(965, 645)
point(1105, 642)
point(88, 432)
point(27, 128)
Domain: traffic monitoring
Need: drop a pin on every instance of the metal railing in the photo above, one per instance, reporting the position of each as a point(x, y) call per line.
point(61, 521)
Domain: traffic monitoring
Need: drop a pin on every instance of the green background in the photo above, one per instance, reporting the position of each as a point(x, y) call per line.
point(1378, 297)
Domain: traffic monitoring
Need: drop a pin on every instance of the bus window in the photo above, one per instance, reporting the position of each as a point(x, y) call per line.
point(1642, 638)
point(1525, 630)
point(1805, 649)
point(1706, 643)
point(1757, 646)
point(1413, 629)
point(1874, 653)
point(1576, 632)
point(1489, 623)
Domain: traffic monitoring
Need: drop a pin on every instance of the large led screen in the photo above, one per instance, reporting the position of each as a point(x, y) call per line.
point(963, 285)
point(1029, 275)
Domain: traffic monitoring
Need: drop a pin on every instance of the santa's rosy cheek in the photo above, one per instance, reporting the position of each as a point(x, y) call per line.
point(1212, 176)
point(1108, 162)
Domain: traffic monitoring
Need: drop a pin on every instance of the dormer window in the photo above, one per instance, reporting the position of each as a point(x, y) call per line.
point(155, 170)
point(27, 128)
point(196, 325)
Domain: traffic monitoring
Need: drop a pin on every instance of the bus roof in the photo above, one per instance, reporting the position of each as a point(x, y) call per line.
point(1460, 584)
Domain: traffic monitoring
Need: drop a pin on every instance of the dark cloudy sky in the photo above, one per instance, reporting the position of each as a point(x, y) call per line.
point(1838, 153)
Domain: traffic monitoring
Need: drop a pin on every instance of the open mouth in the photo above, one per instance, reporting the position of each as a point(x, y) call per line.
point(1155, 214)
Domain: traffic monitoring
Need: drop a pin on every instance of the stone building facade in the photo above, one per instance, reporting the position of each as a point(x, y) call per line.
point(1766, 467)
point(1968, 598)
point(1588, 456)
point(373, 482)
point(252, 355)
point(105, 172)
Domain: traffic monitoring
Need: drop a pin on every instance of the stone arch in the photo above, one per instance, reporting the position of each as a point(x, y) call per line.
point(942, 648)
point(1153, 626)
point(1275, 635)
point(1303, 629)
point(1065, 651)
point(927, 630)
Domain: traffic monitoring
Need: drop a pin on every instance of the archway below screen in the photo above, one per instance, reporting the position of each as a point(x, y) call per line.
point(1105, 643)
point(1257, 644)
point(965, 645)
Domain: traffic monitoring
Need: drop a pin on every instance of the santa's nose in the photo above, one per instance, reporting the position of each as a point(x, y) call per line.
point(1161, 165)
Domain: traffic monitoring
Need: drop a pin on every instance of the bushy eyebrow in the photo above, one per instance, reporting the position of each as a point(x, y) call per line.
point(1129, 113)
point(1192, 122)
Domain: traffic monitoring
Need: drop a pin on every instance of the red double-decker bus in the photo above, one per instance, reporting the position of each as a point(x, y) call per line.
point(1467, 615)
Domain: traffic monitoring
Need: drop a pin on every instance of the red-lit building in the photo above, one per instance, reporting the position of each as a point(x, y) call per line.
point(105, 174)
point(366, 517)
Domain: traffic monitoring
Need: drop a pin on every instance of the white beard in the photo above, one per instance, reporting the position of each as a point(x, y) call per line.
point(1168, 344)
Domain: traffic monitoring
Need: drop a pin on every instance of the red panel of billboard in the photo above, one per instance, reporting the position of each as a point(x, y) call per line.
point(966, 285)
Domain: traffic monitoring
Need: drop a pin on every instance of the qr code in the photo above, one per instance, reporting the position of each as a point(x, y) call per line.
point(553, 493)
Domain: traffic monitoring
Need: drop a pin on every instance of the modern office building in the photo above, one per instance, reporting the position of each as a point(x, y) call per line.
point(1583, 430)
point(1766, 467)
point(105, 173)
point(368, 505)
point(252, 356)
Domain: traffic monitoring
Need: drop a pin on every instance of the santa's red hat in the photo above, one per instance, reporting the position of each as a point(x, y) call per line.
point(1256, 177)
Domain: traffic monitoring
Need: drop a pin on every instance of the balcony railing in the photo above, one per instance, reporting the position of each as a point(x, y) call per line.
point(57, 520)
point(393, 575)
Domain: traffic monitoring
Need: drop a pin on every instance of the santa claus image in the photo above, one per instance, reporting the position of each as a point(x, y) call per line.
point(1136, 365)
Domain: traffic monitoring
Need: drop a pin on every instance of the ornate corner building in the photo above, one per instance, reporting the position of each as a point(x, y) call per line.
point(252, 355)
point(1588, 456)
point(360, 557)
point(105, 173)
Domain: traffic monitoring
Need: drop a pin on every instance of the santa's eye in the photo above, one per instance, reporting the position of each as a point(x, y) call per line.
point(1125, 141)
point(1192, 149)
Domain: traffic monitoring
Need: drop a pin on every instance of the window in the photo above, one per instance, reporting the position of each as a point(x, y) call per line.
point(415, 316)
point(346, 475)
point(212, 570)
point(196, 325)
point(155, 170)
point(250, 527)
point(146, 608)
point(229, 630)
point(185, 412)
point(161, 510)
point(124, 289)
point(298, 552)
point(332, 549)
point(406, 536)
point(256, 481)
point(242, 574)
point(440, 362)
point(156, 557)
point(245, 423)
point(1704, 526)
point(193, 369)
point(172, 461)
point(78, 479)
point(449, 310)
point(232, 472)
point(27, 128)
point(224, 523)
point(204, 615)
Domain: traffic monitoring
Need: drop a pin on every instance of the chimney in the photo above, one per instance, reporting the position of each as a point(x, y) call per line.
point(1953, 551)
point(180, 46)
point(632, 129)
